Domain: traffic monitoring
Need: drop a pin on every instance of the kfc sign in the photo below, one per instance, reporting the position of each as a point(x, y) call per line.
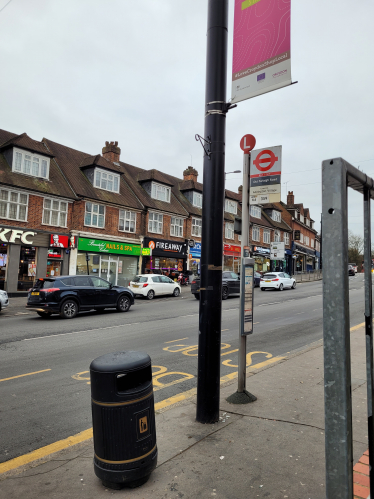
point(57, 241)
point(12, 235)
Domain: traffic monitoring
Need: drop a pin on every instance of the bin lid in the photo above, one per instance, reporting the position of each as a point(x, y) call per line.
point(120, 362)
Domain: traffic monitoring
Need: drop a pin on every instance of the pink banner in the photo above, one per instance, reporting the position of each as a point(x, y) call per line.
point(262, 44)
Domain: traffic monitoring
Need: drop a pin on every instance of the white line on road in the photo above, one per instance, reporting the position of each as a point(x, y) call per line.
point(78, 332)
point(299, 313)
point(315, 310)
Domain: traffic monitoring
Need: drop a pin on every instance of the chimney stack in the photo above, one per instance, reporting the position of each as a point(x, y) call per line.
point(190, 174)
point(111, 151)
point(290, 198)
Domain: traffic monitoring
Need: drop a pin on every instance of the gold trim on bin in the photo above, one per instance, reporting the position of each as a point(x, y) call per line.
point(116, 404)
point(127, 460)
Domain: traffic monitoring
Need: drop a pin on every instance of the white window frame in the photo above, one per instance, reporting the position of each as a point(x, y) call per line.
point(109, 177)
point(176, 227)
point(277, 236)
point(301, 237)
point(266, 236)
point(197, 199)
point(301, 218)
point(155, 222)
point(17, 202)
point(47, 219)
point(231, 206)
point(157, 189)
point(93, 212)
point(312, 243)
point(306, 240)
point(255, 211)
point(286, 238)
point(307, 222)
point(19, 165)
point(255, 233)
point(196, 227)
point(239, 238)
point(229, 230)
point(276, 216)
point(127, 216)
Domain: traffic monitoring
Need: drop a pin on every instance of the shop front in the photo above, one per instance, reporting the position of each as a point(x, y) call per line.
point(168, 257)
point(114, 261)
point(318, 260)
point(304, 258)
point(261, 257)
point(231, 258)
point(194, 259)
point(26, 255)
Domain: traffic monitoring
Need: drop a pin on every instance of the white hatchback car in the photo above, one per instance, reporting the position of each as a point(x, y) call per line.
point(4, 301)
point(150, 285)
point(277, 280)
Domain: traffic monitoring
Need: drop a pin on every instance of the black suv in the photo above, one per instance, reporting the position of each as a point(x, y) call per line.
point(230, 285)
point(68, 295)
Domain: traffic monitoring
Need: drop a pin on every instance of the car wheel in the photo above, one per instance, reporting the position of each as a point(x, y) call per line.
point(294, 285)
point(123, 304)
point(197, 296)
point(45, 315)
point(280, 287)
point(176, 292)
point(225, 293)
point(69, 309)
point(150, 294)
point(262, 289)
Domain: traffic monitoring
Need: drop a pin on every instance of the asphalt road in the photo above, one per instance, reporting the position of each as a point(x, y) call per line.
point(44, 364)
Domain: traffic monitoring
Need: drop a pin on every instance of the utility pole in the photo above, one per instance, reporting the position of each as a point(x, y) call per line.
point(209, 355)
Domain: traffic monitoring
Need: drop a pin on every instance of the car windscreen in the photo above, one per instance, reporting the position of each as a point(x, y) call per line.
point(270, 276)
point(140, 278)
point(43, 284)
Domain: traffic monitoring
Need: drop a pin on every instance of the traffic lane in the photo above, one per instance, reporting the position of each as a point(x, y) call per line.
point(65, 396)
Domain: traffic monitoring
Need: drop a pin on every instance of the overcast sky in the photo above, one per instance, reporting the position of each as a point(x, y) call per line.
point(83, 72)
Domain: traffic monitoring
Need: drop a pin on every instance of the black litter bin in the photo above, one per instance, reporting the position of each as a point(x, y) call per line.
point(124, 430)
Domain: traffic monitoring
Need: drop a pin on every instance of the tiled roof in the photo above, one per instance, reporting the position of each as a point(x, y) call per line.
point(190, 185)
point(145, 175)
point(56, 185)
point(278, 225)
point(271, 206)
point(22, 141)
point(98, 160)
point(69, 160)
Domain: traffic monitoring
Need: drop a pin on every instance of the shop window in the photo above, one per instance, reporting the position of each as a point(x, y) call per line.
point(155, 222)
point(255, 233)
point(197, 199)
point(160, 192)
point(94, 215)
point(229, 230)
point(196, 227)
point(27, 268)
point(266, 236)
point(255, 212)
point(277, 236)
point(30, 163)
point(13, 205)
point(127, 221)
point(3, 264)
point(231, 206)
point(106, 181)
point(53, 268)
point(55, 212)
point(176, 227)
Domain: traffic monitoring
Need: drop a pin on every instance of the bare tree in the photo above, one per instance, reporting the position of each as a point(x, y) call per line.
point(355, 249)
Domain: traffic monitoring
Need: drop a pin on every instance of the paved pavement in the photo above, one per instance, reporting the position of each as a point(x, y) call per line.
point(271, 448)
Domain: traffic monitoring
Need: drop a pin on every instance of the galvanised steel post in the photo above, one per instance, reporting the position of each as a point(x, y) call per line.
point(369, 330)
point(209, 355)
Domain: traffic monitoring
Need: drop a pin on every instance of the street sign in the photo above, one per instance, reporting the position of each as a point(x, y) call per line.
point(262, 47)
point(247, 143)
point(277, 251)
point(265, 175)
point(246, 297)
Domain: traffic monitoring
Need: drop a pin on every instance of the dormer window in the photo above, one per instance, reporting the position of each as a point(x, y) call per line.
point(276, 216)
point(30, 163)
point(256, 212)
point(197, 199)
point(160, 192)
point(307, 221)
point(107, 181)
point(231, 206)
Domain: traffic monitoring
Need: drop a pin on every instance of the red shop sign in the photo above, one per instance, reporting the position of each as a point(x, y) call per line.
point(229, 248)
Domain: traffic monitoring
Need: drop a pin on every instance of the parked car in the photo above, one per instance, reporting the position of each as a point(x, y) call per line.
point(4, 301)
point(230, 285)
point(351, 270)
point(68, 295)
point(354, 266)
point(277, 280)
point(151, 285)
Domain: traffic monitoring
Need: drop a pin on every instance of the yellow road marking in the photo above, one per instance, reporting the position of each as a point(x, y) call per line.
point(230, 351)
point(43, 452)
point(22, 375)
point(176, 340)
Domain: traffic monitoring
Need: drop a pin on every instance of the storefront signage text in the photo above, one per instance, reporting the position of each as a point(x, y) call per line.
point(100, 246)
point(166, 246)
point(10, 236)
